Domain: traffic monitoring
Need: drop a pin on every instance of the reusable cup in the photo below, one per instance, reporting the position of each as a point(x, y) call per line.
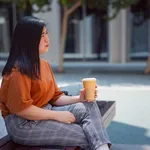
point(89, 85)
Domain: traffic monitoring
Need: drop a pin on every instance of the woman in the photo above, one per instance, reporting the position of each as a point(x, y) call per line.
point(36, 112)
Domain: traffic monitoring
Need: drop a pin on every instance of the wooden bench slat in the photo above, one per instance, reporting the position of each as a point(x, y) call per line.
point(20, 147)
point(45, 148)
point(9, 145)
point(107, 109)
point(108, 118)
point(4, 140)
point(104, 106)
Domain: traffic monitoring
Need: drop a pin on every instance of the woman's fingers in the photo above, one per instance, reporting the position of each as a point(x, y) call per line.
point(82, 92)
point(96, 93)
point(72, 119)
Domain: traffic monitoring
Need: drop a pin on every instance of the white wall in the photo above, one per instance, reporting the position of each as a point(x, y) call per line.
point(85, 35)
point(114, 39)
point(53, 19)
point(118, 38)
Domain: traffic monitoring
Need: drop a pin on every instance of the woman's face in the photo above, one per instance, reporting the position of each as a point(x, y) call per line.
point(44, 42)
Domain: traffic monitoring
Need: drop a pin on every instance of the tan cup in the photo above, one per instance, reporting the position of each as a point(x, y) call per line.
point(89, 84)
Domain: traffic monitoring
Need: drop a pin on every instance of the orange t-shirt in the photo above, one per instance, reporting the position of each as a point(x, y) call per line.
point(18, 91)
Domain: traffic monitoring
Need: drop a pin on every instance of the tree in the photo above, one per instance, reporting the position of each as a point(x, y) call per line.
point(69, 6)
point(25, 7)
point(140, 9)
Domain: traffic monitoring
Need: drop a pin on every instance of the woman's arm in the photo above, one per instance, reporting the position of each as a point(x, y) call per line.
point(65, 100)
point(36, 113)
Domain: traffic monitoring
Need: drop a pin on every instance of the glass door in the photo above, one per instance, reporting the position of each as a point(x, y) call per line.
point(86, 38)
point(73, 38)
point(100, 38)
point(139, 39)
point(4, 34)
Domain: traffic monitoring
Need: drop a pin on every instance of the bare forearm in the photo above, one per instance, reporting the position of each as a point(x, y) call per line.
point(64, 100)
point(36, 113)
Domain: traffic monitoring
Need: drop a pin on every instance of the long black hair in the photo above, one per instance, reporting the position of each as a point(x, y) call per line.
point(24, 49)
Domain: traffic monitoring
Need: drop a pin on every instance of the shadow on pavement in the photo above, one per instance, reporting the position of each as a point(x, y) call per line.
point(121, 133)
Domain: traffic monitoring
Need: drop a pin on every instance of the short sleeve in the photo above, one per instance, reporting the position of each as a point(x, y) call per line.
point(18, 94)
point(58, 92)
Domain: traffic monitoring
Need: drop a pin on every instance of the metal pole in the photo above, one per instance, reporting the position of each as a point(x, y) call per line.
point(84, 30)
point(148, 38)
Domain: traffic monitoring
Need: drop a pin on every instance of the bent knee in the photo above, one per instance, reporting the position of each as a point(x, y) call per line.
point(79, 110)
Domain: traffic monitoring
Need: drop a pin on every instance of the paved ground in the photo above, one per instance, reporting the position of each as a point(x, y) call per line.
point(131, 92)
point(129, 147)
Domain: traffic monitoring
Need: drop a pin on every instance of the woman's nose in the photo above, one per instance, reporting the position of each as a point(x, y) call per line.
point(46, 39)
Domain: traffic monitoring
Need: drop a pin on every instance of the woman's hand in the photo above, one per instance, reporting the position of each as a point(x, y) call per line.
point(64, 116)
point(82, 95)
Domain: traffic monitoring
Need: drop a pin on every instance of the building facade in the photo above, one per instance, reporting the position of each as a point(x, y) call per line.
point(121, 42)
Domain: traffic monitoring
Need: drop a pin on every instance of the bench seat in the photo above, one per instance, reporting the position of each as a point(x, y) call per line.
point(107, 109)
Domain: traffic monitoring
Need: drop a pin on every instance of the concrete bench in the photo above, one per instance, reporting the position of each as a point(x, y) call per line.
point(107, 109)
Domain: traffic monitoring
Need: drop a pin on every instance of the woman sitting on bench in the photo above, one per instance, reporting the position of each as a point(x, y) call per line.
point(35, 111)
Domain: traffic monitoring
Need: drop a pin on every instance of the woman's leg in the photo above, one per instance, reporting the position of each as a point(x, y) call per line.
point(38, 133)
point(90, 133)
point(93, 126)
point(89, 118)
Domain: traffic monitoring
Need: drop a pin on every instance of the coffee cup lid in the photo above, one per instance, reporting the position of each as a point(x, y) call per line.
point(85, 79)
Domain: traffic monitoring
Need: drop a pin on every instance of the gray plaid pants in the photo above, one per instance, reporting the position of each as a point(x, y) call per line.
point(88, 131)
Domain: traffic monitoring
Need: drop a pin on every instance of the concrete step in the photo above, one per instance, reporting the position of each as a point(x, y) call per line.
point(130, 147)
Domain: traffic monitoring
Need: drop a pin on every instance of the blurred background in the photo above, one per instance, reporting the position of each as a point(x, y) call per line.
point(90, 35)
